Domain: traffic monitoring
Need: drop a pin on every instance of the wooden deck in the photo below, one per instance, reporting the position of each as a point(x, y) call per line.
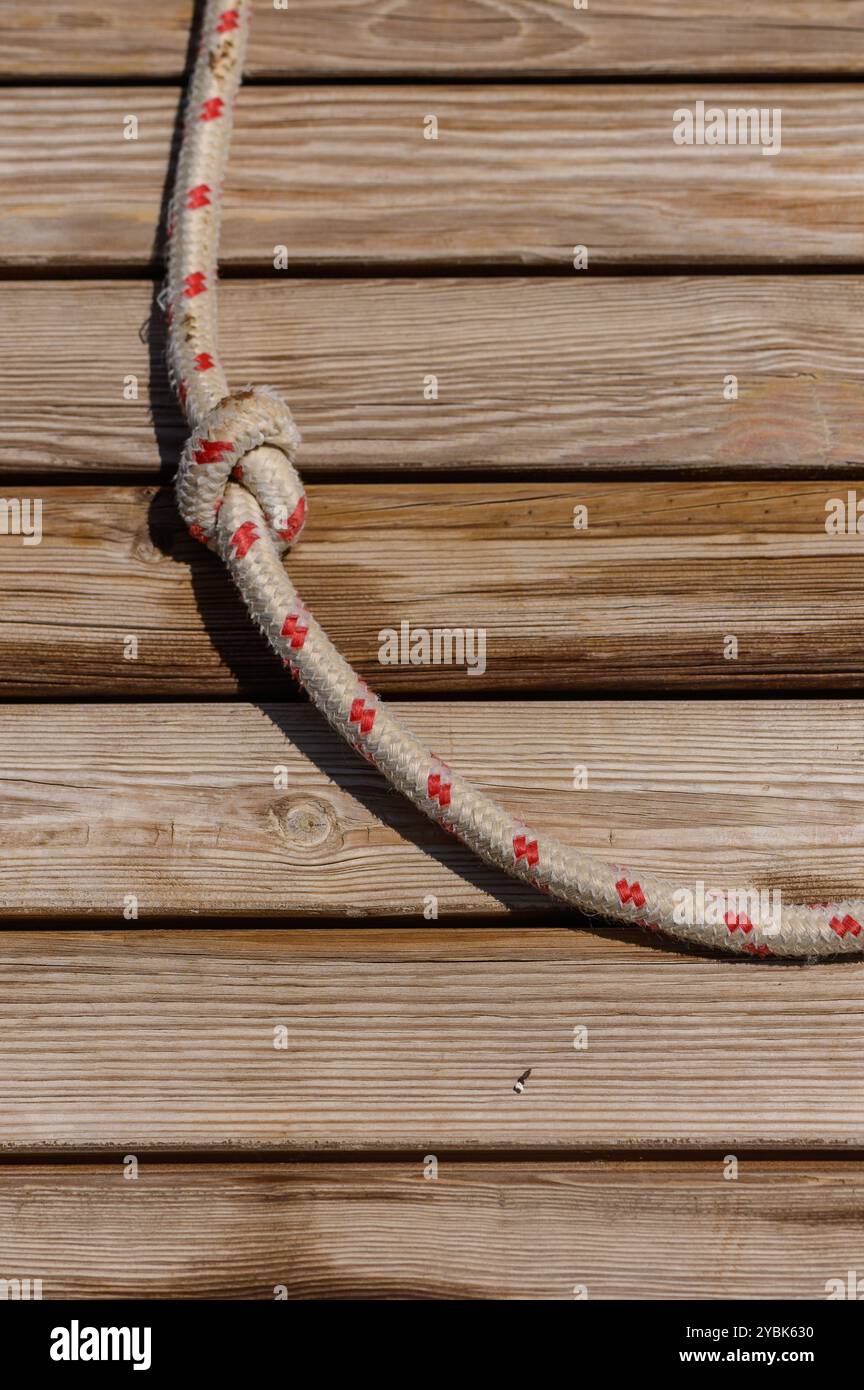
point(228, 951)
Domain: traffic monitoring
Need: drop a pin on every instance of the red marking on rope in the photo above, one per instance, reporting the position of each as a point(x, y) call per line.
point(294, 523)
point(291, 628)
point(237, 472)
point(211, 109)
point(630, 893)
point(438, 791)
point(244, 538)
point(295, 672)
point(741, 921)
point(211, 450)
point(525, 849)
point(198, 197)
point(197, 532)
point(196, 283)
point(228, 21)
point(203, 362)
point(649, 926)
point(362, 715)
point(843, 925)
point(753, 950)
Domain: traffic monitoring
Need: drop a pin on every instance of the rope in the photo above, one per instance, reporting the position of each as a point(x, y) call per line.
point(240, 494)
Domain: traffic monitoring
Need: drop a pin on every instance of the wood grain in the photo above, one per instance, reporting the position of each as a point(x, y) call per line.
point(518, 175)
point(568, 374)
point(403, 1036)
point(644, 599)
point(449, 37)
point(411, 1040)
point(634, 1230)
point(178, 804)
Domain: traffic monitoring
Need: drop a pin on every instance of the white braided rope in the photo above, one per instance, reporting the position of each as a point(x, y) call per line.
point(249, 435)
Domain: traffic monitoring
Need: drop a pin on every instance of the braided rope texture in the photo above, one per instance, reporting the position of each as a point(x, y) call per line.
point(240, 494)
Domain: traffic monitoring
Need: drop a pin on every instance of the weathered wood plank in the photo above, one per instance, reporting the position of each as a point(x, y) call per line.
point(517, 175)
point(459, 37)
point(638, 1230)
point(175, 804)
point(645, 598)
point(140, 1041)
point(570, 374)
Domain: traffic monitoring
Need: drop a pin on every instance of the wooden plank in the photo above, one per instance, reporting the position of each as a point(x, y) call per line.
point(644, 598)
point(636, 1230)
point(517, 175)
point(531, 373)
point(175, 804)
point(459, 38)
point(412, 1039)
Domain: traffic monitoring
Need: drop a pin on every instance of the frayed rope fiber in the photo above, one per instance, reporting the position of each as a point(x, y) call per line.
point(240, 494)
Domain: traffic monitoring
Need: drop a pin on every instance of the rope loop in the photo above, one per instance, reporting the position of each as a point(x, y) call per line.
point(227, 444)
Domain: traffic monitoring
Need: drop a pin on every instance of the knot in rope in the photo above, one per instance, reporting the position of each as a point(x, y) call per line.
point(227, 444)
